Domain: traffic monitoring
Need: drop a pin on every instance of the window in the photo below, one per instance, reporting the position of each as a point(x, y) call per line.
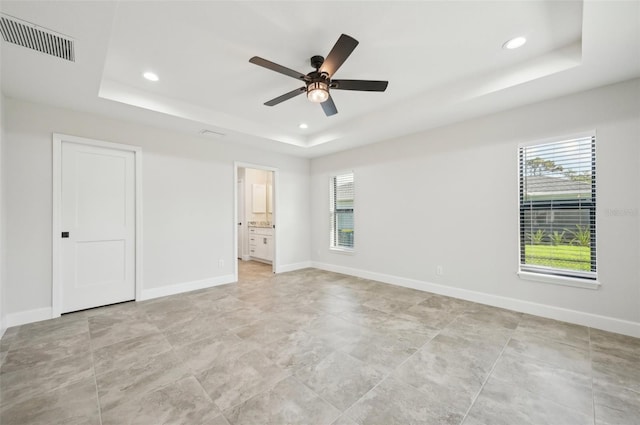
point(341, 196)
point(558, 208)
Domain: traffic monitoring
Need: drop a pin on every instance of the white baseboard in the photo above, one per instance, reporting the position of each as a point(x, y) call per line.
point(36, 315)
point(295, 266)
point(179, 288)
point(605, 323)
point(29, 316)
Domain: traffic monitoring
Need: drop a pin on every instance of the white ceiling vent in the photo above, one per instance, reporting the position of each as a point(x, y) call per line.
point(32, 36)
point(211, 133)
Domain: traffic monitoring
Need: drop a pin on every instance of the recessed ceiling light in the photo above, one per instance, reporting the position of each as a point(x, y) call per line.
point(303, 126)
point(514, 43)
point(150, 76)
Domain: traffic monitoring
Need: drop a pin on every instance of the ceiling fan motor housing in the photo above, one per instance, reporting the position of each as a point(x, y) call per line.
point(315, 76)
point(317, 61)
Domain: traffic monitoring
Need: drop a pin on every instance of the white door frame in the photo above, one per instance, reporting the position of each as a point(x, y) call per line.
point(274, 198)
point(56, 280)
point(241, 232)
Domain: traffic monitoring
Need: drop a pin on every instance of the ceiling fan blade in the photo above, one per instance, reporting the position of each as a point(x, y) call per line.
point(329, 107)
point(286, 96)
point(359, 85)
point(340, 52)
point(277, 68)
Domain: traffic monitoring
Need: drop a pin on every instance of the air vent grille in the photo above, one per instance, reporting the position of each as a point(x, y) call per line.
point(29, 35)
point(212, 133)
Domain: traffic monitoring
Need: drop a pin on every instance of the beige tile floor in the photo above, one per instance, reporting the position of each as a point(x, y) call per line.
point(313, 347)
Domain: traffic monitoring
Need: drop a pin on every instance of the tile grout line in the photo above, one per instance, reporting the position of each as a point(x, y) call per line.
point(95, 379)
point(293, 376)
point(344, 412)
point(457, 320)
point(415, 352)
point(593, 395)
point(400, 364)
point(389, 374)
point(248, 399)
point(475, 398)
point(269, 388)
point(145, 316)
point(50, 390)
point(320, 397)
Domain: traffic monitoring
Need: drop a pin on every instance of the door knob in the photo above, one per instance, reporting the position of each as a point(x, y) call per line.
point(65, 234)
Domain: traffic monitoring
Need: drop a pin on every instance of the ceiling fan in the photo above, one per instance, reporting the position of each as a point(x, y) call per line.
point(319, 82)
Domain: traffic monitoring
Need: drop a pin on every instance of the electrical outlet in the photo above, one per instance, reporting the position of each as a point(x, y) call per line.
point(439, 270)
point(221, 263)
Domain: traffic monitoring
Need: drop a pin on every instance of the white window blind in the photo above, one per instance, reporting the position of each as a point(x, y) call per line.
point(341, 202)
point(558, 208)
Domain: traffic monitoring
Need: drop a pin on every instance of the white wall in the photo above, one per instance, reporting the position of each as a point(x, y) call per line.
point(416, 197)
point(188, 208)
point(3, 322)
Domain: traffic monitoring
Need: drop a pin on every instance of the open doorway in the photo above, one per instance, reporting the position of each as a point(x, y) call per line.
point(255, 219)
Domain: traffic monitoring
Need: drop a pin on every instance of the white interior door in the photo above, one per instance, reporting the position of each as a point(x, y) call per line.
point(98, 212)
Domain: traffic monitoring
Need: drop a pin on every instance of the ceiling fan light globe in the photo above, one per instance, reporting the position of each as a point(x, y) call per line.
point(318, 92)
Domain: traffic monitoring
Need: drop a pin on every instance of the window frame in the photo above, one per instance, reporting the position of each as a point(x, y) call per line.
point(334, 245)
point(553, 275)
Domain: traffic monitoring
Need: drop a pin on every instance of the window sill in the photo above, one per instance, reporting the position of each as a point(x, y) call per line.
point(345, 251)
point(560, 280)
